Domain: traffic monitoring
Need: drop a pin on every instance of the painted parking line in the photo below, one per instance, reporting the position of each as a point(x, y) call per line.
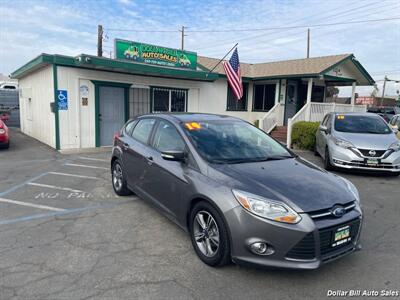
point(31, 204)
point(17, 186)
point(54, 187)
point(75, 175)
point(93, 159)
point(85, 166)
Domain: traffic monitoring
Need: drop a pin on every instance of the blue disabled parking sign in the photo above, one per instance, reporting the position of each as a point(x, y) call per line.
point(62, 97)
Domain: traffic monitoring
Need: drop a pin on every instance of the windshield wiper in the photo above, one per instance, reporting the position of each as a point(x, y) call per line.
point(278, 157)
point(251, 160)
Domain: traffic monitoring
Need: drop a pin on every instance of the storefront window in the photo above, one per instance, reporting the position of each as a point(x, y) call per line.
point(264, 97)
point(232, 104)
point(172, 100)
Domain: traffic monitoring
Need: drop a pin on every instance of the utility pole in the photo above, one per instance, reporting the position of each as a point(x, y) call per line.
point(183, 37)
point(383, 89)
point(100, 40)
point(308, 43)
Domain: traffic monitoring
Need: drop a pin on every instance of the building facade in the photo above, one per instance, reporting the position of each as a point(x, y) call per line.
point(81, 102)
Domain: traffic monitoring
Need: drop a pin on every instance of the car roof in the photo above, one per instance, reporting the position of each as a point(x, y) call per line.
point(188, 117)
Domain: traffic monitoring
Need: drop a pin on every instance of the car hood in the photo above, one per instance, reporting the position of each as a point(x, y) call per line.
point(368, 140)
point(298, 183)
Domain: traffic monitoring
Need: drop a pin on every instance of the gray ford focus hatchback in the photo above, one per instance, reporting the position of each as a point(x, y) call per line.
point(241, 195)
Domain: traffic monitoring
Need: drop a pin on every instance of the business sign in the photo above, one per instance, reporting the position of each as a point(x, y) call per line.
point(157, 55)
point(62, 100)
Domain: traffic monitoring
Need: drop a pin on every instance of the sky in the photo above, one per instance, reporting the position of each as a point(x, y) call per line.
point(28, 28)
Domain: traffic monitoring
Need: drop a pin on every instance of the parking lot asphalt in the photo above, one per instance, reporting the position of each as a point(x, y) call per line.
point(64, 234)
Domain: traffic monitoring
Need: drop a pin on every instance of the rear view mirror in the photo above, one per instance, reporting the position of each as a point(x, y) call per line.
point(173, 155)
point(323, 128)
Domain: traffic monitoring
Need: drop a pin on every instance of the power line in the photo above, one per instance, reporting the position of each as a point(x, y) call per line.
point(264, 29)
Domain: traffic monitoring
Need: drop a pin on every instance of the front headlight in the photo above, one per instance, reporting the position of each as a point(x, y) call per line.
point(342, 143)
point(275, 211)
point(395, 146)
point(351, 187)
point(2, 131)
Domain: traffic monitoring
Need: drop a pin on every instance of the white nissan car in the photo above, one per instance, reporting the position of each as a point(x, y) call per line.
point(361, 141)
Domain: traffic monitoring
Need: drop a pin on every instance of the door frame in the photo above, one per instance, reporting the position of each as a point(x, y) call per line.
point(97, 85)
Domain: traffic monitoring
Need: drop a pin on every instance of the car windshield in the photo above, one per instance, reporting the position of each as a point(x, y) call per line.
point(231, 141)
point(361, 124)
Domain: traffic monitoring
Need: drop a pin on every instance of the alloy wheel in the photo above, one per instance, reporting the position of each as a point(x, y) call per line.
point(206, 233)
point(117, 177)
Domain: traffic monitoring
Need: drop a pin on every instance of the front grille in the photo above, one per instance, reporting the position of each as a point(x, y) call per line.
point(326, 213)
point(326, 237)
point(378, 153)
point(305, 249)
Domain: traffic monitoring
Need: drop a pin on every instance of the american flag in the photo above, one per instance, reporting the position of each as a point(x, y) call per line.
point(232, 70)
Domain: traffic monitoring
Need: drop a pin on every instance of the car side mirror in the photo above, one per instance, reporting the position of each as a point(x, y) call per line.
point(323, 128)
point(173, 155)
point(395, 129)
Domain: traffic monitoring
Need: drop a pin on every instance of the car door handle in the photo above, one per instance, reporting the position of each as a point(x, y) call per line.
point(149, 160)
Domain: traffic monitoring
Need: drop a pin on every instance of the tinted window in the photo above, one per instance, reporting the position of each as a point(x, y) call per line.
point(231, 141)
point(143, 129)
point(167, 138)
point(361, 124)
point(233, 103)
point(264, 96)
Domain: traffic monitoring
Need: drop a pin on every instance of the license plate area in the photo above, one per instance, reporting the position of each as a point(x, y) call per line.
point(372, 162)
point(341, 235)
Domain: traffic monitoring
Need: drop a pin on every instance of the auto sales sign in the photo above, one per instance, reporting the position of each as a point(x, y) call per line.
point(152, 54)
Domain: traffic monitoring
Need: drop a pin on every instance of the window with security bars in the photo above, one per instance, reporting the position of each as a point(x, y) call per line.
point(237, 105)
point(169, 100)
point(139, 101)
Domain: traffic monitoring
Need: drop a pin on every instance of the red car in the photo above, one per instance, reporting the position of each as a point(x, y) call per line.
point(4, 139)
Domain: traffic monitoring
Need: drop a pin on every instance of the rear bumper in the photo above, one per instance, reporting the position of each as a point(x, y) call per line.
point(306, 245)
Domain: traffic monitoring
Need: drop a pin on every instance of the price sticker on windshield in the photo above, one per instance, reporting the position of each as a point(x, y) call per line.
point(193, 126)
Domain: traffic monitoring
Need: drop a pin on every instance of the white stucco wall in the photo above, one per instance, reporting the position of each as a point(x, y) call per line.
point(36, 94)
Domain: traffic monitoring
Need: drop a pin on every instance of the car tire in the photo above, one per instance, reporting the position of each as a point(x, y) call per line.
point(118, 179)
point(327, 161)
point(216, 230)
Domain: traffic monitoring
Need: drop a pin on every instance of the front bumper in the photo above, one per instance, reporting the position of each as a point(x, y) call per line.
point(349, 159)
point(305, 245)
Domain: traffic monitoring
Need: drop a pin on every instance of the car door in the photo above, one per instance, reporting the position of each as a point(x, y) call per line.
point(136, 147)
point(165, 181)
point(325, 135)
point(321, 136)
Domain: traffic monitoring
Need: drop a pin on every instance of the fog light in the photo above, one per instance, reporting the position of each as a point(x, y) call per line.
point(261, 248)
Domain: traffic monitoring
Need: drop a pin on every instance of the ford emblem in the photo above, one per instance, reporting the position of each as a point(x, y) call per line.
point(338, 211)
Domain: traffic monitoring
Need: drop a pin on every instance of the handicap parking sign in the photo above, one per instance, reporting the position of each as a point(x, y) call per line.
point(62, 97)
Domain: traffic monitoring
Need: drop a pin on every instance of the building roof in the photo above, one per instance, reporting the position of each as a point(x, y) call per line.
point(306, 67)
point(311, 66)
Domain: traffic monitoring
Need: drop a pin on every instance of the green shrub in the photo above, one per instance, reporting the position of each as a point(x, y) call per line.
point(303, 134)
point(256, 123)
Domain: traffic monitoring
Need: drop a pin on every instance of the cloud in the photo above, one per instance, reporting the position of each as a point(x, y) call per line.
point(69, 27)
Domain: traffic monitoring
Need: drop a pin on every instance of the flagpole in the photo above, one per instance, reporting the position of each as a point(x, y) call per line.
point(222, 59)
